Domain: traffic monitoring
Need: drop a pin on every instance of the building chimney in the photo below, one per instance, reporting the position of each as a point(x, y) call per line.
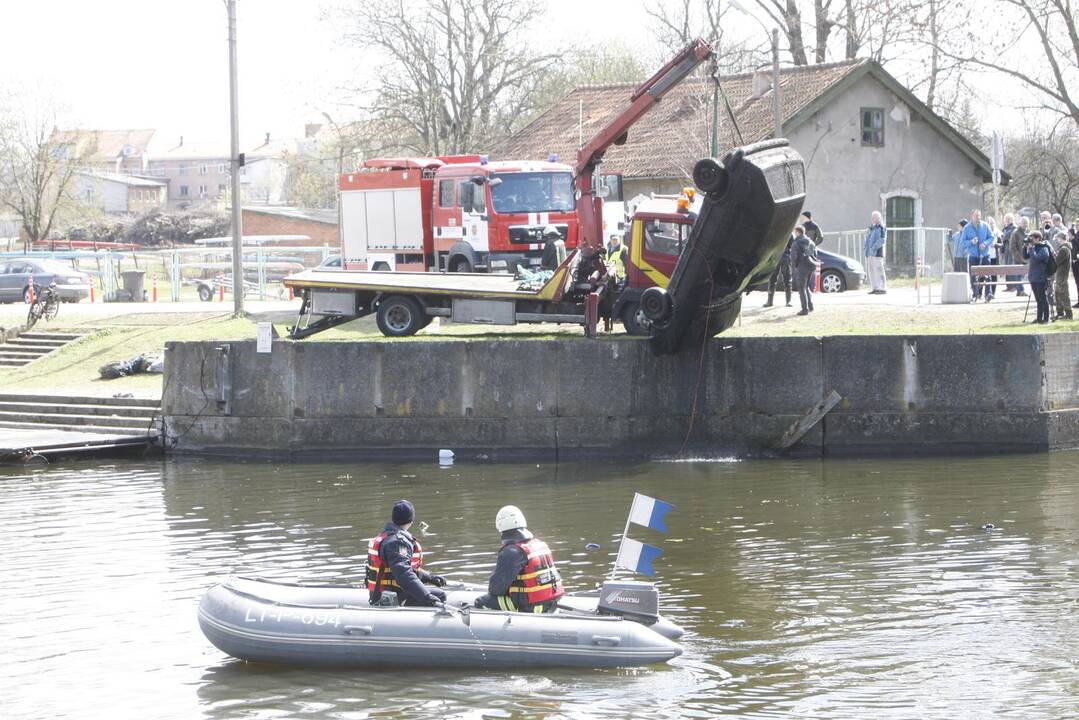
point(761, 83)
point(267, 142)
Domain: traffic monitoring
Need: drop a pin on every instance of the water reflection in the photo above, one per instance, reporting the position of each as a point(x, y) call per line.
point(823, 589)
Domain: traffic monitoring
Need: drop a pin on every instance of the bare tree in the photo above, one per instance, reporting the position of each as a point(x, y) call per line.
point(1046, 171)
point(1041, 48)
point(38, 165)
point(456, 74)
point(678, 23)
point(787, 16)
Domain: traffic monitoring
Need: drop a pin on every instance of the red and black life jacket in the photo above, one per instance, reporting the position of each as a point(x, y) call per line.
point(538, 583)
point(379, 577)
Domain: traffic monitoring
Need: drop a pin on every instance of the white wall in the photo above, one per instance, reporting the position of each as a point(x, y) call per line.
point(845, 181)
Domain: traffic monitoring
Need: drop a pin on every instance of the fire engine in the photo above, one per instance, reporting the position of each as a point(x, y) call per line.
point(456, 214)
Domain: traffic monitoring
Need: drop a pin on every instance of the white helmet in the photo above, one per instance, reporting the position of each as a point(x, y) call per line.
point(510, 518)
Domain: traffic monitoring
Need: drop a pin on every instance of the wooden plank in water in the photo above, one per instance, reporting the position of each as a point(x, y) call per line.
point(814, 416)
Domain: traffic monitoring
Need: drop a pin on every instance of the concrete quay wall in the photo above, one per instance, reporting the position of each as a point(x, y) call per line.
point(576, 398)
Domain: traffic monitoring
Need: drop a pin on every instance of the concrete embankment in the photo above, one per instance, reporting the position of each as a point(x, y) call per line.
point(575, 398)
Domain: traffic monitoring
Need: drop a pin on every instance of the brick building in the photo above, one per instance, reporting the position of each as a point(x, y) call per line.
point(319, 225)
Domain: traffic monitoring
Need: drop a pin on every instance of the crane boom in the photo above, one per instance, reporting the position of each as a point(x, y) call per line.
point(616, 132)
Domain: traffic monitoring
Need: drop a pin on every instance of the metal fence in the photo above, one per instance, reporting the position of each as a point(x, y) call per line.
point(175, 269)
point(902, 252)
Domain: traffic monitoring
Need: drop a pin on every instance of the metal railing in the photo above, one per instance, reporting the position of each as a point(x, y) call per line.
point(905, 249)
point(264, 267)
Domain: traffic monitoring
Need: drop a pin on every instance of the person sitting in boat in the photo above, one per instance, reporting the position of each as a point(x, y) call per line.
point(525, 577)
point(394, 562)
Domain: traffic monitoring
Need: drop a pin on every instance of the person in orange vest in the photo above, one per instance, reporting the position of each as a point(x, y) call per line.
point(395, 563)
point(525, 577)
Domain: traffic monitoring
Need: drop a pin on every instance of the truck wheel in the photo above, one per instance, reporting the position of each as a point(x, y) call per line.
point(710, 176)
point(399, 316)
point(461, 265)
point(205, 293)
point(635, 321)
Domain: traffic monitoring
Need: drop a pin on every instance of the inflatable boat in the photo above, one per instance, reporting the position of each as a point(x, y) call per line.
point(307, 625)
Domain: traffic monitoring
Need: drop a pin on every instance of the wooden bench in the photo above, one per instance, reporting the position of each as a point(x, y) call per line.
point(980, 274)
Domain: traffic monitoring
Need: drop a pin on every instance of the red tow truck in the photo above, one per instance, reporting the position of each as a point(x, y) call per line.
point(686, 271)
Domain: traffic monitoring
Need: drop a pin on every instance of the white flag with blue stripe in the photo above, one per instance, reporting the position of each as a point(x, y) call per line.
point(649, 512)
point(637, 556)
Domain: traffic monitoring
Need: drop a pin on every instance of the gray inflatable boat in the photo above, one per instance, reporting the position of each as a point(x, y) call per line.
point(265, 621)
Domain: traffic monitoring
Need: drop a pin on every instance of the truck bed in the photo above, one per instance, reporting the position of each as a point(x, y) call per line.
point(458, 285)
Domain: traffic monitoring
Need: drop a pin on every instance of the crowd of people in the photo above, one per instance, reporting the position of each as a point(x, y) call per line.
point(1047, 248)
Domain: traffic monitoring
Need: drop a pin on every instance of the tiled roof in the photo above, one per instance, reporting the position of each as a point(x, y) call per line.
point(221, 150)
point(108, 144)
point(676, 133)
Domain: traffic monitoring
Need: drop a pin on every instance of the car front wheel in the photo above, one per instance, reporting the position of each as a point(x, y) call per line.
point(831, 281)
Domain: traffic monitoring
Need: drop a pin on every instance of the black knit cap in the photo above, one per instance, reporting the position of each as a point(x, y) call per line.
point(807, 214)
point(403, 512)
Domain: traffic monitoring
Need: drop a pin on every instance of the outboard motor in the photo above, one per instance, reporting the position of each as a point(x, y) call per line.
point(631, 599)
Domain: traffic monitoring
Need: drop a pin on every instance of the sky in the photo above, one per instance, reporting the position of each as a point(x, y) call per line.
point(163, 64)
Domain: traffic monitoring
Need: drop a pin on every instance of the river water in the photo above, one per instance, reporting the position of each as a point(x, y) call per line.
point(825, 589)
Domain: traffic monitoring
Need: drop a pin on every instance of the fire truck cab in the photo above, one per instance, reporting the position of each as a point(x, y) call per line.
point(453, 214)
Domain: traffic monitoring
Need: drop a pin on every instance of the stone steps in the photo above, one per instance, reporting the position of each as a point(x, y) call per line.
point(116, 415)
point(29, 346)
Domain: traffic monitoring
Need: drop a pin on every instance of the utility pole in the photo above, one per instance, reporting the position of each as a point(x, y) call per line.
point(777, 118)
point(234, 118)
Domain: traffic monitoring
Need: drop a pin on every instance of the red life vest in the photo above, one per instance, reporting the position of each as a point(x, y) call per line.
point(376, 566)
point(539, 581)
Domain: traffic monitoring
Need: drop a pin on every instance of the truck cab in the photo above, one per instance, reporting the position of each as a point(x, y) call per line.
point(490, 216)
point(656, 236)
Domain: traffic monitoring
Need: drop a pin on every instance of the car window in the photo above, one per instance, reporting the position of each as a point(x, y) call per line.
point(53, 267)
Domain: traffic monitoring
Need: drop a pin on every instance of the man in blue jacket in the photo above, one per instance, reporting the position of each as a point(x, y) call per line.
point(874, 254)
point(977, 238)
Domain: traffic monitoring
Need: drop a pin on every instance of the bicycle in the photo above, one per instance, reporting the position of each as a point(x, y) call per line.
point(46, 304)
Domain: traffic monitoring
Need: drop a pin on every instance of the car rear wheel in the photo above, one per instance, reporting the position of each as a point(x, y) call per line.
point(832, 281)
point(399, 316)
point(205, 293)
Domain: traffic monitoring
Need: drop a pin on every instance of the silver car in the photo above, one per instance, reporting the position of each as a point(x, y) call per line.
point(16, 273)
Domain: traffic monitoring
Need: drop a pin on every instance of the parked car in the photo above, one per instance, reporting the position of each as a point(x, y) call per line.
point(333, 262)
point(839, 272)
point(15, 273)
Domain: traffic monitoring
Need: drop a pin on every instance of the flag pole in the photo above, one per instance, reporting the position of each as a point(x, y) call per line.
point(624, 533)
